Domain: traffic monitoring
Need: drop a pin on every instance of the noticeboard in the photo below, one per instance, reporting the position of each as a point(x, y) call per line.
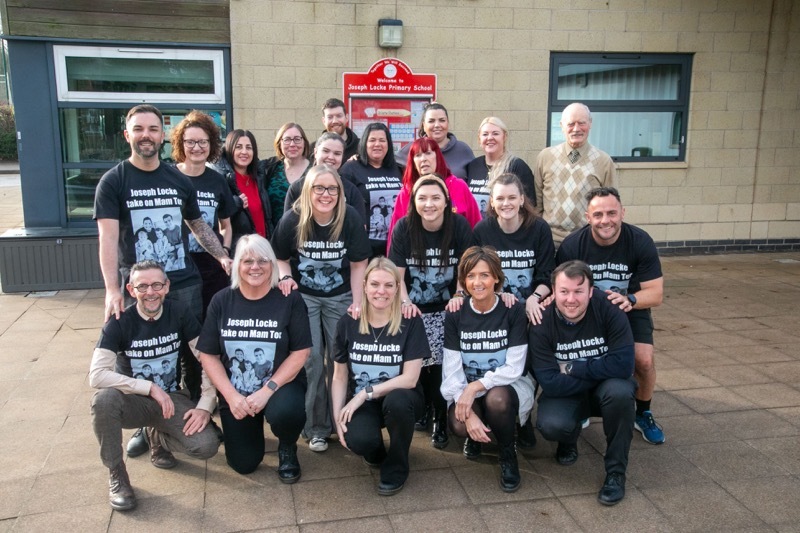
point(389, 93)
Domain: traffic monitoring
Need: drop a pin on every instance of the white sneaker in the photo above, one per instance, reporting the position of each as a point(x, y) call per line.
point(584, 423)
point(317, 444)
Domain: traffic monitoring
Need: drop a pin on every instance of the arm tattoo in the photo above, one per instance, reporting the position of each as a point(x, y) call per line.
point(206, 237)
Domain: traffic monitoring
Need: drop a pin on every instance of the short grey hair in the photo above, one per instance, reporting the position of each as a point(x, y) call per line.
point(257, 246)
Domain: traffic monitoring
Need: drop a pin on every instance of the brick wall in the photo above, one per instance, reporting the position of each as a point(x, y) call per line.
point(741, 180)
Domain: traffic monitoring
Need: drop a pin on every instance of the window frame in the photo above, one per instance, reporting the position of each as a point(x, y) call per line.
point(679, 104)
point(63, 94)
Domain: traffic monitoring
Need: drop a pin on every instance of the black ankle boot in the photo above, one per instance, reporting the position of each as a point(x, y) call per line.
point(421, 423)
point(509, 468)
point(439, 438)
point(288, 465)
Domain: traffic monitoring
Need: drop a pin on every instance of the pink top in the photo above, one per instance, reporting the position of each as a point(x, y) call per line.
point(463, 203)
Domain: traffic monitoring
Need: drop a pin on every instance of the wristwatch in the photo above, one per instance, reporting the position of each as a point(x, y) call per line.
point(271, 385)
point(368, 390)
point(568, 369)
point(632, 299)
point(284, 278)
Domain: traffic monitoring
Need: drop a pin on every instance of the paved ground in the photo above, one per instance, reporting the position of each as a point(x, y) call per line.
point(728, 398)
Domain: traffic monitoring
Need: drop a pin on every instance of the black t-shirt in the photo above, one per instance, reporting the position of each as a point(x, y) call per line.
point(374, 361)
point(483, 339)
point(430, 285)
point(603, 332)
point(321, 267)
point(527, 256)
point(254, 337)
point(151, 207)
point(620, 267)
point(381, 188)
point(150, 350)
point(477, 177)
point(214, 200)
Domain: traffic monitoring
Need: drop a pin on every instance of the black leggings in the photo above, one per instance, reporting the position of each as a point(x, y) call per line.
point(497, 409)
point(244, 439)
point(430, 377)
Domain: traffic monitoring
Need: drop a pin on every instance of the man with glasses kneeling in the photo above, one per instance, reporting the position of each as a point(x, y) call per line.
point(151, 335)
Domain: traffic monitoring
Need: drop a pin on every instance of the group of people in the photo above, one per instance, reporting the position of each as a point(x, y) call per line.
point(339, 288)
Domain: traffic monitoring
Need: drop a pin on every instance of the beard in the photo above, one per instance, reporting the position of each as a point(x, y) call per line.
point(147, 151)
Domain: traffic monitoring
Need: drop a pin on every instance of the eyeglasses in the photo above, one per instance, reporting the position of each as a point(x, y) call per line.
point(157, 286)
point(319, 190)
point(292, 140)
point(191, 143)
point(261, 261)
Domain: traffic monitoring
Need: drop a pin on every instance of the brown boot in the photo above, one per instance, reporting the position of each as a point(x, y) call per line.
point(159, 455)
point(120, 492)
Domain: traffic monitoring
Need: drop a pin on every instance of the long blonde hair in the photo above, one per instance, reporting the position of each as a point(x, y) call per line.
point(501, 166)
point(303, 206)
point(396, 317)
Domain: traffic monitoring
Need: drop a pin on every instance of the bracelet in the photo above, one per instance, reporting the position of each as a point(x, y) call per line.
point(405, 302)
point(284, 278)
point(538, 296)
point(461, 294)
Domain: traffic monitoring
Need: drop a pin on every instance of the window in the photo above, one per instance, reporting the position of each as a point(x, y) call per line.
point(97, 85)
point(93, 73)
point(639, 102)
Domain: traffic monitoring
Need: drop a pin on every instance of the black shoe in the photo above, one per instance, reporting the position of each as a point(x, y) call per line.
point(613, 490)
point(439, 438)
point(288, 465)
point(120, 492)
point(159, 455)
point(389, 489)
point(472, 449)
point(526, 438)
point(509, 469)
point(422, 423)
point(566, 454)
point(138, 443)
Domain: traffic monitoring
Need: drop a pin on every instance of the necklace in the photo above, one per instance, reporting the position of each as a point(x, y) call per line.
point(376, 337)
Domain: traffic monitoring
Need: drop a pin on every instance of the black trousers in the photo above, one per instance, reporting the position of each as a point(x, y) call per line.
point(244, 439)
point(396, 411)
point(559, 419)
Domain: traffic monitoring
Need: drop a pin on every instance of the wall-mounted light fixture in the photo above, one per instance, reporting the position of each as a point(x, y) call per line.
point(390, 33)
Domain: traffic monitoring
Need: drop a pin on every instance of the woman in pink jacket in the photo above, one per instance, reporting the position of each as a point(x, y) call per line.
point(425, 157)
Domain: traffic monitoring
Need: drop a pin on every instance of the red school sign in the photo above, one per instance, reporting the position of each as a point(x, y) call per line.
point(389, 93)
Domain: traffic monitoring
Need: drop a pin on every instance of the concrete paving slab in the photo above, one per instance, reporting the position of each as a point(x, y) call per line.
point(541, 515)
point(731, 460)
point(702, 507)
point(452, 520)
point(776, 500)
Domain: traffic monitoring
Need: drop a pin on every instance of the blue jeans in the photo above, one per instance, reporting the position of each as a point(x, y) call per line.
point(323, 315)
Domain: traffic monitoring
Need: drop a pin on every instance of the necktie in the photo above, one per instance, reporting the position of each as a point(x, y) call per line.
point(573, 156)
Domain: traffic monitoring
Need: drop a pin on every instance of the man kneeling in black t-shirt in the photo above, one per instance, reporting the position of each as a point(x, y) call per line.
point(582, 356)
point(149, 336)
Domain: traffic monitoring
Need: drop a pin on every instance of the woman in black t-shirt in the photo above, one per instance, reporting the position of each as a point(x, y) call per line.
point(196, 140)
point(254, 343)
point(377, 175)
point(377, 362)
point(523, 241)
point(322, 251)
point(426, 245)
point(484, 379)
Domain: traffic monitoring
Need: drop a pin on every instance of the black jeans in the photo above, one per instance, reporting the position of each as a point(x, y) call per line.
point(397, 411)
point(559, 419)
point(244, 439)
